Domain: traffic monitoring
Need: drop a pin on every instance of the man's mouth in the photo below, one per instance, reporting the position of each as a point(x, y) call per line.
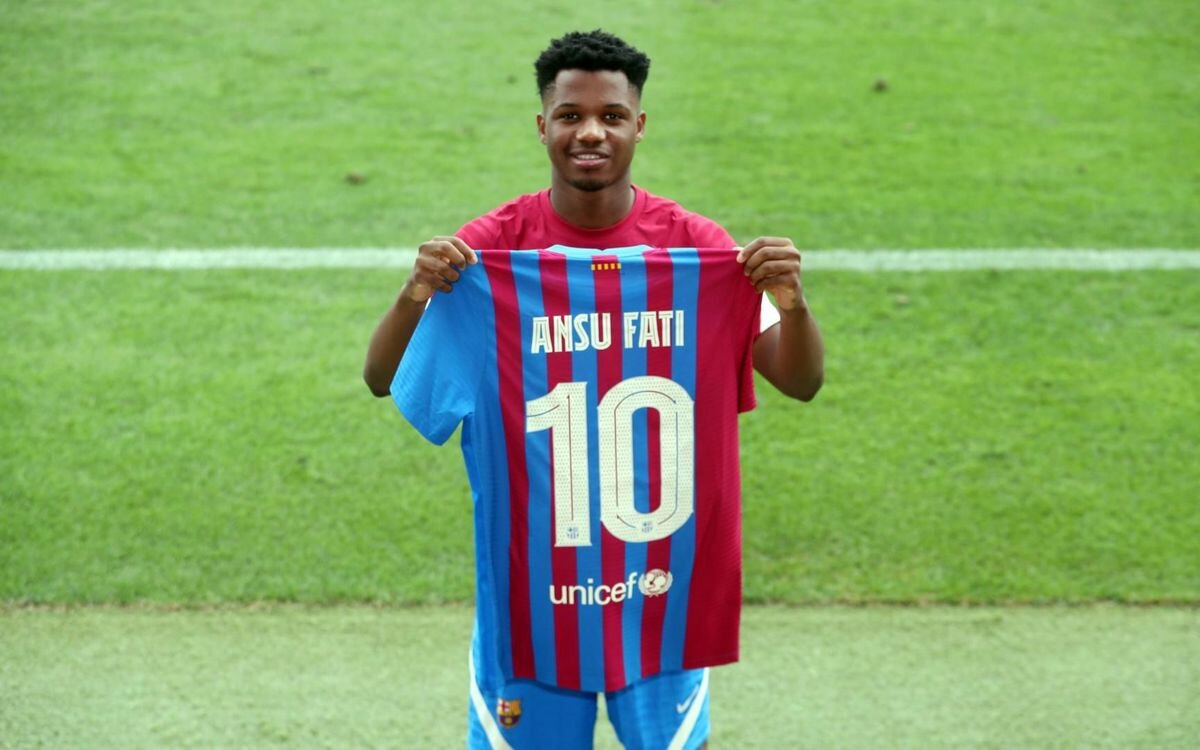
point(588, 159)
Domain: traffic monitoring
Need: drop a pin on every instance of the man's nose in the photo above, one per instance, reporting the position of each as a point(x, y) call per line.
point(591, 130)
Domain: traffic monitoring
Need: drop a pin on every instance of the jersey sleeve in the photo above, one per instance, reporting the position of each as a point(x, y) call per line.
point(438, 380)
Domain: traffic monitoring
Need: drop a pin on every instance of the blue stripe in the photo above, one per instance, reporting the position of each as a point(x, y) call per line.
point(490, 491)
point(633, 291)
point(582, 292)
point(527, 276)
point(683, 541)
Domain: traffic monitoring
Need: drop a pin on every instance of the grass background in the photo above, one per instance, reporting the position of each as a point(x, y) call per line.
point(200, 439)
point(1067, 123)
point(850, 678)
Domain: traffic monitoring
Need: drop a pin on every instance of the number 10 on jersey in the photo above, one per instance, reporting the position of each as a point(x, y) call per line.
point(563, 411)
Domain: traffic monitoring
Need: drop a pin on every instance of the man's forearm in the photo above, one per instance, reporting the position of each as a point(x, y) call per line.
point(388, 343)
point(796, 358)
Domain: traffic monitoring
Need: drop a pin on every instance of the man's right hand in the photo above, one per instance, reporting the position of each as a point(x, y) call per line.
point(437, 267)
point(438, 264)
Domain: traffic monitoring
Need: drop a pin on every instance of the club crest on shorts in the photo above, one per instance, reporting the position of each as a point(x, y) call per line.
point(508, 713)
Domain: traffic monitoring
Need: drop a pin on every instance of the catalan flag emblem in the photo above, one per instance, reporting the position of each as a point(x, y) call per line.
point(601, 263)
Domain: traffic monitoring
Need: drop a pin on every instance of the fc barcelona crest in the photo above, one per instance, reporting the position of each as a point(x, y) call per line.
point(508, 713)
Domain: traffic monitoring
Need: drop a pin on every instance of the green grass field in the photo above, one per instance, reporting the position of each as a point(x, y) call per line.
point(191, 445)
point(1068, 123)
point(353, 677)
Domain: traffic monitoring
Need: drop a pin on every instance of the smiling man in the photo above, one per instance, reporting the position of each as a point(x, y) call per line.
point(529, 690)
point(591, 123)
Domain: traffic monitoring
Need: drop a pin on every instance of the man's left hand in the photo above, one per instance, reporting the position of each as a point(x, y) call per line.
point(773, 265)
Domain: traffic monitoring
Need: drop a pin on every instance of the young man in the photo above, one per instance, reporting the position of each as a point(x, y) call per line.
point(590, 123)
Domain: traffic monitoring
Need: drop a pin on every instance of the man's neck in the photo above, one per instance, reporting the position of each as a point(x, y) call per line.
point(592, 210)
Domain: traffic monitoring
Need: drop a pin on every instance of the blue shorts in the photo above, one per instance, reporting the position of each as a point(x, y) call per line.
point(668, 711)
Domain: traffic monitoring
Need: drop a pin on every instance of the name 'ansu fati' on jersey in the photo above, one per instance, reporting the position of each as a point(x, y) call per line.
point(640, 328)
point(598, 396)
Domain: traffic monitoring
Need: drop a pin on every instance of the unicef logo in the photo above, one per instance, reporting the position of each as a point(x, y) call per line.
point(655, 582)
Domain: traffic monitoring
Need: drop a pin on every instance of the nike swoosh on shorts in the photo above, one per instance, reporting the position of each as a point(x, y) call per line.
point(681, 707)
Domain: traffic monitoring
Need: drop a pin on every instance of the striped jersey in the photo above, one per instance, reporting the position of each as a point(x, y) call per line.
point(598, 393)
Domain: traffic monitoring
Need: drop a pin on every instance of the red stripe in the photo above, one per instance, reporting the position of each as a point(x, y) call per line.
point(716, 587)
point(512, 407)
point(612, 550)
point(563, 561)
point(660, 295)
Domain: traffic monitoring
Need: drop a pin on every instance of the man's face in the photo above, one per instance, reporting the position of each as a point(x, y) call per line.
point(591, 122)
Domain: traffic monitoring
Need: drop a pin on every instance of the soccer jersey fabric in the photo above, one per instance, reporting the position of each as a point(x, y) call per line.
point(530, 221)
point(598, 394)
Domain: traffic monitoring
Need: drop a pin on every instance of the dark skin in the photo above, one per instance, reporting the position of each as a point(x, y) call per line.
point(590, 123)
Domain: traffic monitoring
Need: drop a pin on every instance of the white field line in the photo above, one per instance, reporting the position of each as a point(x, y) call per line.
point(1014, 259)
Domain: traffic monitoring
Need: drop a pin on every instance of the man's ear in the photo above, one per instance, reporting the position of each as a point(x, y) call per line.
point(641, 127)
point(541, 126)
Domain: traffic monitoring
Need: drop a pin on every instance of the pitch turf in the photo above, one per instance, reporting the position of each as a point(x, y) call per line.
point(1097, 677)
point(1067, 123)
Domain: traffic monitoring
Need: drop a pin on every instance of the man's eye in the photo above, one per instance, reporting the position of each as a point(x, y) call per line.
point(569, 116)
point(614, 116)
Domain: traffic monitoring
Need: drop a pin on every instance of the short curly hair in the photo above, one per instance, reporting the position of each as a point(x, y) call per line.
point(591, 50)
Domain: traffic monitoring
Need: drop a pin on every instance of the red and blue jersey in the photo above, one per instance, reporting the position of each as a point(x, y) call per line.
point(598, 393)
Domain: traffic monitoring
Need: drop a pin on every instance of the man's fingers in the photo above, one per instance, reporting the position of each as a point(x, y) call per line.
point(768, 282)
point(451, 249)
point(449, 271)
point(775, 269)
point(436, 271)
point(458, 252)
point(753, 245)
point(466, 250)
point(432, 272)
point(771, 254)
point(760, 242)
point(770, 278)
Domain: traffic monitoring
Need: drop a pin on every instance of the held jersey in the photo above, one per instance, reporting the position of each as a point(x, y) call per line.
point(530, 221)
point(598, 394)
